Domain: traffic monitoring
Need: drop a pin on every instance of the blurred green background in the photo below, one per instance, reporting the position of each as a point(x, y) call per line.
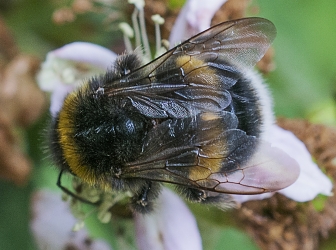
point(303, 85)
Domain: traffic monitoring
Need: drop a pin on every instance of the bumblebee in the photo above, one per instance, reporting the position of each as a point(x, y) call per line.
point(195, 117)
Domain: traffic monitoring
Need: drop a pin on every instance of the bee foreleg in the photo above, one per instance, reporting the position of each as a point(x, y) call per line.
point(192, 194)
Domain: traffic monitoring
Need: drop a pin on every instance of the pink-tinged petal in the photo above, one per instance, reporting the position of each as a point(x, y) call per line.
point(86, 53)
point(194, 17)
point(52, 224)
point(312, 181)
point(171, 226)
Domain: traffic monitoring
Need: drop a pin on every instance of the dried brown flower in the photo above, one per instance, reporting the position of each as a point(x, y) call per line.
point(230, 10)
point(7, 45)
point(21, 103)
point(267, 64)
point(82, 6)
point(63, 15)
point(160, 7)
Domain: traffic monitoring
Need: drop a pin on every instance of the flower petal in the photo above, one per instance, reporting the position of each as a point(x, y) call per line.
point(170, 227)
point(52, 224)
point(86, 53)
point(311, 181)
point(67, 67)
point(194, 17)
point(57, 98)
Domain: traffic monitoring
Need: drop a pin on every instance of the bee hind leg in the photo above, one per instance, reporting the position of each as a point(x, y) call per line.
point(220, 200)
point(143, 200)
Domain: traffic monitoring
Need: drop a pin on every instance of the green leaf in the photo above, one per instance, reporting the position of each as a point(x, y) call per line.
point(235, 239)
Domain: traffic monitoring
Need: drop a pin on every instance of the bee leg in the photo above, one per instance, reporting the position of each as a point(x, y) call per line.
point(192, 194)
point(220, 200)
point(143, 200)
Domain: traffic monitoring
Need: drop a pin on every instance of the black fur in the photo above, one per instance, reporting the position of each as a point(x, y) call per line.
point(105, 130)
point(143, 200)
point(245, 104)
point(222, 201)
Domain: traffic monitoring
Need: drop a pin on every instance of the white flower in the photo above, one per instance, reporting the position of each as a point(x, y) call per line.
point(67, 67)
point(171, 226)
point(52, 225)
point(311, 181)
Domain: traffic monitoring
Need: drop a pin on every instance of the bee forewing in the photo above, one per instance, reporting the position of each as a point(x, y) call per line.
point(242, 42)
point(270, 169)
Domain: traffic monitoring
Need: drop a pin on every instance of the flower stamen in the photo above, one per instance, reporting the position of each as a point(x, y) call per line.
point(128, 33)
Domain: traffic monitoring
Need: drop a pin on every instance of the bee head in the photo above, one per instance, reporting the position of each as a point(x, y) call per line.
point(93, 136)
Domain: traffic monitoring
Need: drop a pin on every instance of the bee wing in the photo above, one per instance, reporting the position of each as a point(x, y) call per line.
point(194, 76)
point(208, 152)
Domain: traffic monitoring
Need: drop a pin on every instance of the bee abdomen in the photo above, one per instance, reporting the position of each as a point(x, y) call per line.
point(251, 103)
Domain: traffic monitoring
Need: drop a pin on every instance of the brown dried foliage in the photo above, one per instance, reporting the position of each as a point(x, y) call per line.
point(67, 12)
point(153, 7)
point(21, 103)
